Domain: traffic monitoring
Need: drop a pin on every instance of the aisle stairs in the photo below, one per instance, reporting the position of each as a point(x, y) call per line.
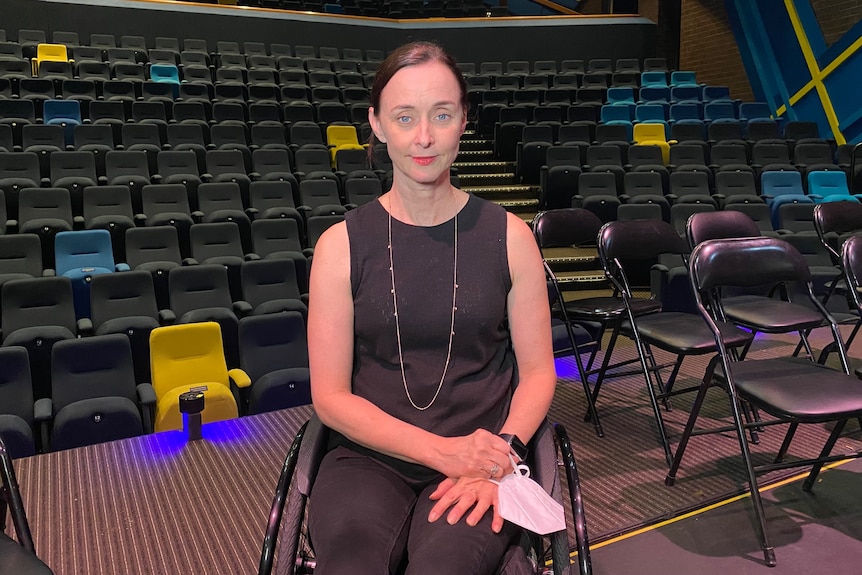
point(578, 268)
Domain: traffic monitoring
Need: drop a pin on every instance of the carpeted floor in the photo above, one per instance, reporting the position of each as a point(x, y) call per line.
point(161, 505)
point(623, 473)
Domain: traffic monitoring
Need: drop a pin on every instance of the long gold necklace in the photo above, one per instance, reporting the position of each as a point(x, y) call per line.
point(398, 324)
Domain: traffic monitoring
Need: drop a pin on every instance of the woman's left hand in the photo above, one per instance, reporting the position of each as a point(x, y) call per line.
point(463, 494)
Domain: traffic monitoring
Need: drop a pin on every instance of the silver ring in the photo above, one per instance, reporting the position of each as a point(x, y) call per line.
point(494, 469)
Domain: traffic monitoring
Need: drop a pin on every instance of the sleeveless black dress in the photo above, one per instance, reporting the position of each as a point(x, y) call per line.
point(477, 390)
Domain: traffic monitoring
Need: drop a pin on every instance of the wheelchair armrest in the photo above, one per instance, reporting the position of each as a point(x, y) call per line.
point(167, 317)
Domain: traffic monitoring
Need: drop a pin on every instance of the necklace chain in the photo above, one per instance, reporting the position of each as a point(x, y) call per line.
point(398, 324)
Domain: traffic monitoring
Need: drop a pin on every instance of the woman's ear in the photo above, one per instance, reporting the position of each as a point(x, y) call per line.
point(374, 122)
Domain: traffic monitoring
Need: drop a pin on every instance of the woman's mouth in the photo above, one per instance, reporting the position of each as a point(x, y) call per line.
point(423, 160)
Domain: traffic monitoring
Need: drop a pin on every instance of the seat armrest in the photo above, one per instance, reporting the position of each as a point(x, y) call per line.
point(103, 180)
point(85, 326)
point(251, 257)
point(242, 308)
point(672, 198)
point(146, 394)
point(190, 262)
point(197, 216)
point(156, 178)
point(239, 377)
point(121, 267)
point(78, 222)
point(49, 272)
point(46, 182)
point(167, 317)
point(254, 176)
point(351, 206)
point(147, 399)
point(43, 410)
point(624, 198)
point(11, 226)
point(140, 220)
point(252, 213)
point(308, 252)
point(206, 177)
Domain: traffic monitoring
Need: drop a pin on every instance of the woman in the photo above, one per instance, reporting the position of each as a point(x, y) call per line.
point(413, 303)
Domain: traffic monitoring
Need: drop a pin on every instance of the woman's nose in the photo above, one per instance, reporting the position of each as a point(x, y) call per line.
point(424, 134)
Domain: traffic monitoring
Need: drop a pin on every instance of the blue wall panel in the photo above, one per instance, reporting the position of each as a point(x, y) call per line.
point(774, 37)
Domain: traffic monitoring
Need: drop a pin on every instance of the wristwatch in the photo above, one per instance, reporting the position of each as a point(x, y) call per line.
point(516, 445)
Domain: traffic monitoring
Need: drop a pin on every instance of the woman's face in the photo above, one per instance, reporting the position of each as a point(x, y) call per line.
point(421, 121)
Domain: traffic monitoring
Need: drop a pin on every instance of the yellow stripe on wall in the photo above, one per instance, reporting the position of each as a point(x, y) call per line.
point(817, 75)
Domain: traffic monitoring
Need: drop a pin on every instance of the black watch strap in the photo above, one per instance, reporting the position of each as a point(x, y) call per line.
point(516, 445)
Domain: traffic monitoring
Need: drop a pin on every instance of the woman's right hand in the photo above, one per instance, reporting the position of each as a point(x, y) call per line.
point(480, 454)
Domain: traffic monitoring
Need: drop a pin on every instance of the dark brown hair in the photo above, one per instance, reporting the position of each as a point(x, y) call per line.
point(413, 54)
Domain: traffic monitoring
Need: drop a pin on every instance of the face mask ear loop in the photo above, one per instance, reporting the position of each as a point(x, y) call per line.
point(520, 470)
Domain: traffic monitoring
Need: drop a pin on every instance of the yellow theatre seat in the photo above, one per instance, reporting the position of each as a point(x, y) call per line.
point(187, 356)
point(646, 134)
point(49, 53)
point(341, 138)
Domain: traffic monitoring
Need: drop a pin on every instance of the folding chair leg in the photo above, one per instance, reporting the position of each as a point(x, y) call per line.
point(808, 484)
point(785, 445)
point(603, 368)
point(756, 500)
point(670, 478)
point(668, 387)
point(659, 420)
point(592, 414)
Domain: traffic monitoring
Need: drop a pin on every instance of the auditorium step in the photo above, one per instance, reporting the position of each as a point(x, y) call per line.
point(484, 168)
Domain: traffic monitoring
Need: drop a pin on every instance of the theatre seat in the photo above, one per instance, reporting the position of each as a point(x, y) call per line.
point(187, 357)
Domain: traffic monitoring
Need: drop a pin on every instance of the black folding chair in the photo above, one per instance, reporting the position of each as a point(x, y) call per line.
point(621, 245)
point(562, 229)
point(790, 389)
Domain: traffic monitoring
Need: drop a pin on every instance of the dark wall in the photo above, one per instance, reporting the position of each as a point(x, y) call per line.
point(468, 40)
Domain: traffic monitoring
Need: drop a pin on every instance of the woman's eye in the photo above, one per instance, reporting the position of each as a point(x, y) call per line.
point(443, 117)
point(403, 119)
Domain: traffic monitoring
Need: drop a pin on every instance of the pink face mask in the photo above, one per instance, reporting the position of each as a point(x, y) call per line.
point(526, 504)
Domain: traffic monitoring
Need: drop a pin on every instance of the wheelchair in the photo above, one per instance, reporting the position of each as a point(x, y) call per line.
point(550, 448)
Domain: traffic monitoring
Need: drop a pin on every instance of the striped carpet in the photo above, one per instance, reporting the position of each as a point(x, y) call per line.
point(161, 505)
point(623, 473)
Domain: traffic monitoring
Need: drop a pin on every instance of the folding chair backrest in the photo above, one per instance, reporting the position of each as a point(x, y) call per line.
point(720, 225)
point(566, 227)
point(637, 239)
point(746, 262)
